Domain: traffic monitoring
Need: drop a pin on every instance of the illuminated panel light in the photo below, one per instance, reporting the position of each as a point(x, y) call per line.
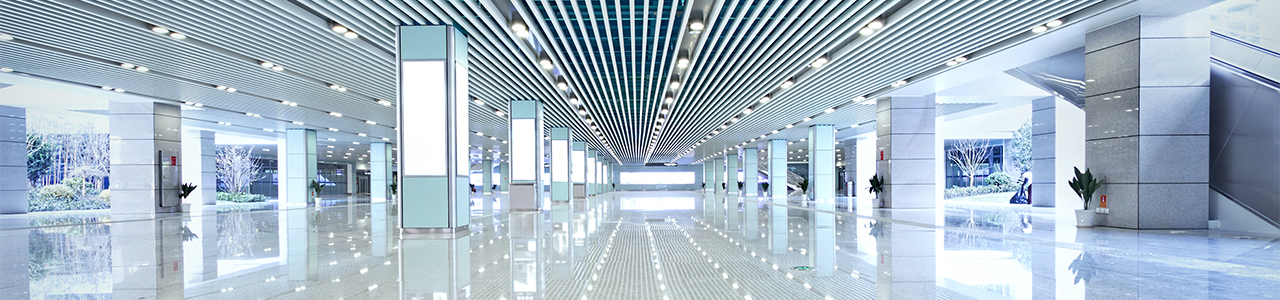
point(579, 166)
point(424, 99)
point(560, 153)
point(384, 102)
point(787, 84)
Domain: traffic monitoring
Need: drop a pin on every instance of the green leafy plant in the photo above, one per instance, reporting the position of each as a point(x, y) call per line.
point(58, 191)
point(394, 187)
point(999, 179)
point(969, 191)
point(740, 185)
point(1084, 184)
point(240, 197)
point(804, 185)
point(876, 184)
point(316, 188)
point(764, 186)
point(187, 188)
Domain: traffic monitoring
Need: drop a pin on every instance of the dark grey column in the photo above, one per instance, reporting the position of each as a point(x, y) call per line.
point(145, 146)
point(906, 154)
point(1147, 110)
point(13, 161)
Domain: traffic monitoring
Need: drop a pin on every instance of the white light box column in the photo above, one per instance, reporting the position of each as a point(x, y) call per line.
point(433, 156)
point(526, 155)
point(561, 188)
point(579, 167)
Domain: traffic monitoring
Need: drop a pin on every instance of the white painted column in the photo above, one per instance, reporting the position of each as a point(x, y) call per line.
point(200, 166)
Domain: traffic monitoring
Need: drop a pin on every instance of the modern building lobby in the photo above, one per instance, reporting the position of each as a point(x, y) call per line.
point(662, 149)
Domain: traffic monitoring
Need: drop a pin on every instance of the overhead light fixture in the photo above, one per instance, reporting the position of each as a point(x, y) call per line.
point(675, 83)
point(787, 84)
point(747, 111)
point(384, 102)
point(6, 70)
point(899, 83)
point(733, 120)
point(830, 110)
point(696, 26)
point(277, 68)
point(231, 90)
point(119, 90)
point(1054, 23)
point(806, 120)
point(297, 123)
point(563, 85)
point(682, 63)
point(370, 122)
point(220, 87)
point(362, 134)
point(478, 101)
point(875, 24)
point(791, 125)
point(335, 114)
point(961, 59)
point(350, 35)
point(518, 26)
point(951, 63)
point(666, 111)
point(386, 139)
point(1039, 29)
point(498, 112)
point(268, 130)
point(765, 99)
point(582, 111)
point(176, 35)
point(266, 64)
point(127, 65)
point(573, 100)
point(160, 30)
point(866, 31)
point(818, 63)
point(670, 99)
point(853, 126)
point(333, 129)
point(6, 37)
point(339, 28)
point(479, 134)
point(546, 63)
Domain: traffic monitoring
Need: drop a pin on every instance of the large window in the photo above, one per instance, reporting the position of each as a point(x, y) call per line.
point(657, 178)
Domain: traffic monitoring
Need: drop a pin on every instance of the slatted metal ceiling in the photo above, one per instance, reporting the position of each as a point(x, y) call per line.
point(618, 57)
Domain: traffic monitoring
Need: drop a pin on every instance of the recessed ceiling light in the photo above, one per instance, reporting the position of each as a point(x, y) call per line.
point(298, 123)
point(747, 111)
point(1054, 23)
point(333, 129)
point(573, 100)
point(806, 120)
point(518, 26)
point(866, 31)
point(384, 102)
point(224, 88)
point(332, 140)
point(177, 35)
point(697, 25)
point(546, 63)
point(350, 35)
point(233, 90)
point(386, 139)
point(675, 84)
point(498, 112)
point(830, 110)
point(277, 68)
point(142, 69)
point(199, 104)
point(791, 125)
point(268, 130)
point(362, 134)
point(788, 83)
point(355, 143)
point(733, 120)
point(951, 62)
point(1039, 29)
point(6, 70)
point(961, 59)
point(670, 100)
point(682, 63)
point(266, 64)
point(335, 114)
point(127, 65)
point(582, 112)
point(6, 37)
point(119, 90)
point(562, 85)
point(339, 29)
point(479, 134)
point(370, 122)
point(877, 24)
point(818, 63)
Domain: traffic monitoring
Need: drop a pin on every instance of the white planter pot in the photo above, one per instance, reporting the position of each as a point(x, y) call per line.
point(1085, 218)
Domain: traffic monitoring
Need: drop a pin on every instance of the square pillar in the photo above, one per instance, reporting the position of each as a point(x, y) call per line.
point(504, 169)
point(433, 157)
point(750, 166)
point(486, 171)
point(718, 166)
point(1147, 116)
point(731, 173)
point(1057, 147)
point(380, 172)
point(907, 156)
point(526, 155)
point(300, 167)
point(591, 173)
point(145, 146)
point(848, 154)
point(200, 166)
point(778, 170)
point(561, 142)
point(579, 169)
point(822, 162)
point(13, 160)
point(709, 177)
point(599, 172)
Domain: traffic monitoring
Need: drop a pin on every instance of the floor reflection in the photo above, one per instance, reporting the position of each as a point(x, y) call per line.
point(623, 245)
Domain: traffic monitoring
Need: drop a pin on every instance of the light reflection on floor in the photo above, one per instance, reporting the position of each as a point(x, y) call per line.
point(627, 245)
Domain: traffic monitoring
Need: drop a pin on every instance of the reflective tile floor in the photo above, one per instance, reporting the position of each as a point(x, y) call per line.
point(626, 245)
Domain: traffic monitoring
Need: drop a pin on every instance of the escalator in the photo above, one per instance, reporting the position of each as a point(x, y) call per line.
point(1244, 139)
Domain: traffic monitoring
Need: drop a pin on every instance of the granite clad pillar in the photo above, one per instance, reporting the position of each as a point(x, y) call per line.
point(433, 157)
point(561, 187)
point(822, 162)
point(750, 166)
point(145, 146)
point(13, 160)
point(579, 169)
point(300, 167)
point(1147, 116)
point(731, 173)
point(1057, 147)
point(380, 172)
point(504, 170)
point(709, 177)
point(526, 155)
point(718, 167)
point(905, 146)
point(778, 171)
point(200, 166)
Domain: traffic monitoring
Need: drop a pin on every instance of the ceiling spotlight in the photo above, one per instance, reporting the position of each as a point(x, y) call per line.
point(546, 63)
point(791, 125)
point(853, 126)
point(818, 63)
point(866, 31)
point(202, 105)
point(224, 88)
point(682, 63)
point(733, 120)
point(666, 111)
point(788, 83)
point(479, 134)
point(350, 35)
point(6, 70)
point(333, 129)
point(127, 65)
point(478, 101)
point(370, 122)
point(160, 30)
point(266, 64)
point(830, 110)
point(859, 99)
point(268, 130)
point(724, 126)
point(334, 86)
point(562, 85)
point(339, 29)
point(877, 24)
point(386, 139)
point(177, 35)
point(119, 90)
point(277, 68)
point(335, 114)
point(142, 69)
point(573, 100)
point(499, 113)
point(951, 62)
point(297, 123)
point(764, 99)
point(384, 102)
point(362, 134)
point(342, 89)
point(582, 112)
point(670, 100)
point(232, 90)
point(519, 26)
point(1054, 23)
point(1039, 29)
point(961, 59)
point(696, 26)
point(746, 111)
point(806, 120)
point(899, 83)
point(5, 37)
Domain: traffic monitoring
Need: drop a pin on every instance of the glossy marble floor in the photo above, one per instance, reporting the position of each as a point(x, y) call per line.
point(626, 245)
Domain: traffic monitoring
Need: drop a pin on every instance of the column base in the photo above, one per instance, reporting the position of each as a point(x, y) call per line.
point(434, 233)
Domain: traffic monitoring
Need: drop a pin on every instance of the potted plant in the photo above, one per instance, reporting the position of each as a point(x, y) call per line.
point(740, 185)
point(876, 186)
point(316, 188)
point(804, 186)
point(1084, 184)
point(764, 187)
point(186, 190)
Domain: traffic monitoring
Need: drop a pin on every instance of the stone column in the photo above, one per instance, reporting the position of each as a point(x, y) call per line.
point(709, 177)
point(561, 142)
point(849, 155)
point(380, 172)
point(145, 146)
point(778, 171)
point(351, 179)
point(822, 162)
point(526, 155)
point(750, 166)
point(486, 171)
point(1057, 147)
point(731, 174)
point(505, 169)
point(591, 173)
point(907, 158)
point(300, 168)
point(13, 161)
point(433, 157)
point(579, 169)
point(718, 166)
point(1147, 115)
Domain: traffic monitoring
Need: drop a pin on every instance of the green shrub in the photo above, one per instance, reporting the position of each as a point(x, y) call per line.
point(999, 179)
point(58, 191)
point(105, 195)
point(959, 192)
point(241, 197)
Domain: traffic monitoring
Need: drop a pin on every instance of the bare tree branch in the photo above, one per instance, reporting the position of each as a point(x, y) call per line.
point(970, 155)
point(237, 168)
